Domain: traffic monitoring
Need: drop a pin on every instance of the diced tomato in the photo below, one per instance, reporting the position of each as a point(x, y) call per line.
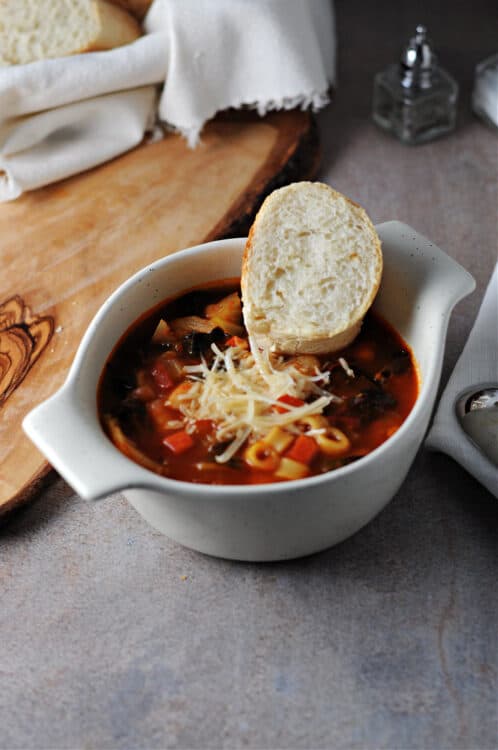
point(290, 401)
point(144, 393)
point(237, 341)
point(203, 427)
point(303, 450)
point(173, 366)
point(178, 442)
point(161, 375)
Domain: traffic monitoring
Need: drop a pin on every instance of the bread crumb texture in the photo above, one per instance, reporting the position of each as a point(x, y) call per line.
point(311, 269)
point(33, 30)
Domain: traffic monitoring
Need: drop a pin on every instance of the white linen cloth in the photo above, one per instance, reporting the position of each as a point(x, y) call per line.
point(57, 118)
point(51, 145)
point(265, 54)
point(476, 368)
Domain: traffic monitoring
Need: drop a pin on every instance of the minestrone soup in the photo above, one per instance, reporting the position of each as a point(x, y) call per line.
point(185, 396)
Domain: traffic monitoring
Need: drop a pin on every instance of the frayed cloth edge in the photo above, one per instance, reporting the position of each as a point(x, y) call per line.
point(315, 101)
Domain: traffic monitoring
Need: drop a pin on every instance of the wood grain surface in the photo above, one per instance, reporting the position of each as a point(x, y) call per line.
point(65, 248)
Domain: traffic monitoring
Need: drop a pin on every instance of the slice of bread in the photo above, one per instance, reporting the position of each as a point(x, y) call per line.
point(40, 29)
point(138, 7)
point(310, 271)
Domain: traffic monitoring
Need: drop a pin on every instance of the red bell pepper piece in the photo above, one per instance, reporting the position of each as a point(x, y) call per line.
point(178, 442)
point(203, 427)
point(304, 450)
point(290, 401)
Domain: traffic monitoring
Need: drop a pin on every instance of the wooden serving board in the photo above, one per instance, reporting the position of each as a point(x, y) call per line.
point(65, 248)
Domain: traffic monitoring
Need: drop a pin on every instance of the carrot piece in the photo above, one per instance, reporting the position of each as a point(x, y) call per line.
point(290, 401)
point(237, 341)
point(178, 442)
point(303, 450)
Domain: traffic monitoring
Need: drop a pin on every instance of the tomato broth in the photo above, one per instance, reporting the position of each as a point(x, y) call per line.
point(183, 395)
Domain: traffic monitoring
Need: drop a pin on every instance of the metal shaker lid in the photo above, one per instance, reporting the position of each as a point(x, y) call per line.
point(417, 61)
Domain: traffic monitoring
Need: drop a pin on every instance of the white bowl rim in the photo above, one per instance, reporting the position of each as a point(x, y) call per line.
point(147, 479)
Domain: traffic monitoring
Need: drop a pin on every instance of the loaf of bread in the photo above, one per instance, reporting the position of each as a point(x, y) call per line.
point(311, 269)
point(138, 7)
point(40, 29)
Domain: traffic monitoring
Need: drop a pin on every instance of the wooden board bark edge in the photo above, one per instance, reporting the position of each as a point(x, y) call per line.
point(295, 157)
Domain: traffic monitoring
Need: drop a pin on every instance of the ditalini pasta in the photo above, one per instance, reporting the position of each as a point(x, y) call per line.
point(187, 395)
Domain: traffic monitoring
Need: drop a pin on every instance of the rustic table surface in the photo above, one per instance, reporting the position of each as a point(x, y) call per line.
point(111, 636)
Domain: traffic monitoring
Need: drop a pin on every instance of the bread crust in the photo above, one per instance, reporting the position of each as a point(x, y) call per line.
point(298, 345)
point(114, 27)
point(138, 8)
point(333, 340)
point(118, 27)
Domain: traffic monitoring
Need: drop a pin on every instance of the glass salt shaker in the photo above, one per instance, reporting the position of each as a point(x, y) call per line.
point(415, 99)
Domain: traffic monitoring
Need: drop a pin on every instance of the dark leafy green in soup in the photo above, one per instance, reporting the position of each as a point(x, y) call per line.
point(184, 396)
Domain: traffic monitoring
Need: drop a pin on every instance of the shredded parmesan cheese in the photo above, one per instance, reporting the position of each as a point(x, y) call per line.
point(238, 391)
point(234, 446)
point(349, 372)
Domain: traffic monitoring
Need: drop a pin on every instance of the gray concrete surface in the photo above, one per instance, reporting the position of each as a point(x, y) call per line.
point(111, 636)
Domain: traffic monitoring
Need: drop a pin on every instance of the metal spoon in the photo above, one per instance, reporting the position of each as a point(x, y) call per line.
point(478, 414)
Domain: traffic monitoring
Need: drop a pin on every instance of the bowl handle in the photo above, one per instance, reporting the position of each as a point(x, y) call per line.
point(74, 443)
point(428, 267)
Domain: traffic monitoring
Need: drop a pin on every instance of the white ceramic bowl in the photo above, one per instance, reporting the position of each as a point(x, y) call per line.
point(420, 287)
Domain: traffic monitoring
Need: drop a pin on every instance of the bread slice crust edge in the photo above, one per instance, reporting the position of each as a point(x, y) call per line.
point(329, 339)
